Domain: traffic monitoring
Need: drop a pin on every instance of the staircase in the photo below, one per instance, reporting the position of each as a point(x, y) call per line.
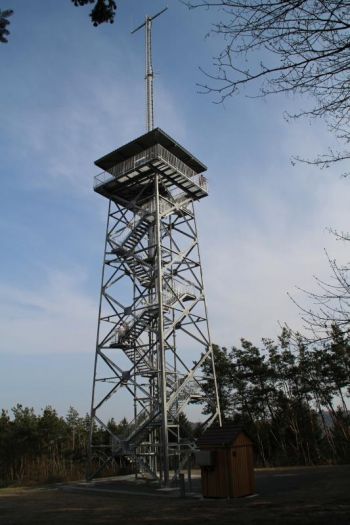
point(177, 292)
point(146, 421)
point(188, 392)
point(137, 430)
point(140, 323)
point(125, 242)
point(139, 360)
point(135, 325)
point(141, 270)
point(138, 232)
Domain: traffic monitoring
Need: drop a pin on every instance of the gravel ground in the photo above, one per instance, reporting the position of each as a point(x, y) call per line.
point(317, 495)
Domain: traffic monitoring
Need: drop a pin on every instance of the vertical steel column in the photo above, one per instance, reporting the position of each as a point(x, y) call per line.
point(218, 409)
point(96, 352)
point(161, 346)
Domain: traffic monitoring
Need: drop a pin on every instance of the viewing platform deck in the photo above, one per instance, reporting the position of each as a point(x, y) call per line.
point(127, 170)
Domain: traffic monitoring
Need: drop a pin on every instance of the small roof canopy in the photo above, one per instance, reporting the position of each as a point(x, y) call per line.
point(224, 436)
point(153, 137)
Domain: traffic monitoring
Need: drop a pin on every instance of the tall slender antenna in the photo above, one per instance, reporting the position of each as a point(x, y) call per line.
point(149, 67)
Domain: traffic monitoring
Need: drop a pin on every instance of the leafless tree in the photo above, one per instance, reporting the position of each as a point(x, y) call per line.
point(329, 305)
point(298, 46)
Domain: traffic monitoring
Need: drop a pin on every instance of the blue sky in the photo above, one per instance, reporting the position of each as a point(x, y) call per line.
point(70, 93)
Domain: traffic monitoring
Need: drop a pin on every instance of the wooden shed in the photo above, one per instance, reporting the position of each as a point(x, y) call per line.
point(226, 459)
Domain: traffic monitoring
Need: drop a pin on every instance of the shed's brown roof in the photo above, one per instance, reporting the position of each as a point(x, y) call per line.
point(220, 436)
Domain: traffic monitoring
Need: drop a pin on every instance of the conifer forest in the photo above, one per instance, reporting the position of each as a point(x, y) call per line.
point(290, 397)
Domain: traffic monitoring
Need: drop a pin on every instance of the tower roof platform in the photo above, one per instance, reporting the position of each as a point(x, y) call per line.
point(128, 169)
point(153, 137)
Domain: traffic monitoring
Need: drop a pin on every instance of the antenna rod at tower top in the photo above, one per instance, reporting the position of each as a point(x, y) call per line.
point(149, 67)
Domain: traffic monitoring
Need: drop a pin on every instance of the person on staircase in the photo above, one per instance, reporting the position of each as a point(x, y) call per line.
point(122, 330)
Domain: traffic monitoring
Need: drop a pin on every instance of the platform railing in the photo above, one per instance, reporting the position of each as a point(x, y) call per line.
point(174, 162)
point(152, 153)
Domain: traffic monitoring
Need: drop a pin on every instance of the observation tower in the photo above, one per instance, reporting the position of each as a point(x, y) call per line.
point(154, 356)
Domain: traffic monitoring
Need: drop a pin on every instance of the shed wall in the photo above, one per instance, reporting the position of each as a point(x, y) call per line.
point(232, 474)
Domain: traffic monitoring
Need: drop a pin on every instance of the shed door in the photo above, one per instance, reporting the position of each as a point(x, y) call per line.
point(241, 462)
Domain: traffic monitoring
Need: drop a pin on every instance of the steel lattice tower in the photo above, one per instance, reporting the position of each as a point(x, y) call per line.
point(153, 336)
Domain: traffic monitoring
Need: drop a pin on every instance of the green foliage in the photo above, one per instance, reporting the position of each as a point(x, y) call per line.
point(102, 12)
point(291, 398)
point(45, 447)
point(223, 374)
point(4, 22)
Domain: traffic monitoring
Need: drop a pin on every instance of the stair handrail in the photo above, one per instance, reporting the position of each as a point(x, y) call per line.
point(170, 296)
point(120, 236)
point(141, 421)
point(181, 400)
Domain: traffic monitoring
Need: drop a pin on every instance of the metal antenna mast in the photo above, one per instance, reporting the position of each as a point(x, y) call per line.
point(149, 67)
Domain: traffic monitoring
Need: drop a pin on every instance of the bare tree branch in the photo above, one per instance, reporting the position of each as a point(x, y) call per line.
point(299, 46)
point(330, 303)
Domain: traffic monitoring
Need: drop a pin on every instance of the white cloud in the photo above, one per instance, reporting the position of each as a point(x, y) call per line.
point(60, 143)
point(58, 317)
point(251, 263)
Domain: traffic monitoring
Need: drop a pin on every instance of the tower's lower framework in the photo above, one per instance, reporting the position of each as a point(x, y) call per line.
point(153, 353)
